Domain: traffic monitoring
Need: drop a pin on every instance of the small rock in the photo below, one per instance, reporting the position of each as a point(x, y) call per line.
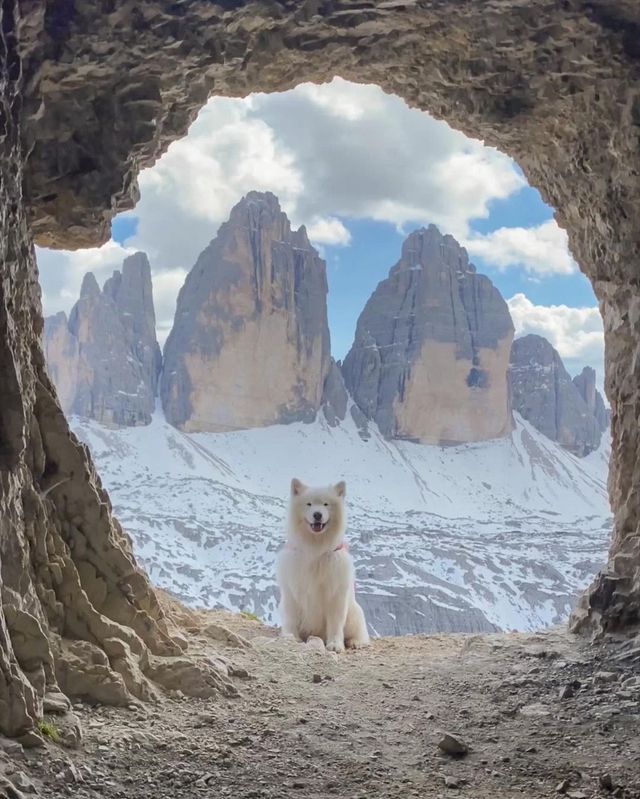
point(31, 739)
point(569, 690)
point(316, 678)
point(55, 702)
point(71, 774)
point(535, 709)
point(70, 730)
point(577, 795)
point(23, 783)
point(452, 745)
point(601, 677)
point(298, 784)
point(451, 782)
point(562, 787)
point(316, 644)
point(11, 748)
point(238, 671)
point(606, 782)
point(203, 781)
point(7, 788)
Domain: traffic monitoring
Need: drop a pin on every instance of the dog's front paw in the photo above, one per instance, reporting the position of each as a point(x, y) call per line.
point(357, 643)
point(335, 645)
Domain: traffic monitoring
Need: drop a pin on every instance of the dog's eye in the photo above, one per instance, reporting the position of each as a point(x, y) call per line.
point(308, 504)
point(326, 504)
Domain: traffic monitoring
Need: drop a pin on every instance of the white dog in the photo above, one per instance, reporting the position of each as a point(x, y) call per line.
point(315, 571)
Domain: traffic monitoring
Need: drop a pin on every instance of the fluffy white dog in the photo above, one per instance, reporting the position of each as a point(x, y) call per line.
point(315, 571)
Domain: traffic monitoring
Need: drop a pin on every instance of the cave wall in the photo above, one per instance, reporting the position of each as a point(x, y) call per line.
point(77, 616)
point(92, 92)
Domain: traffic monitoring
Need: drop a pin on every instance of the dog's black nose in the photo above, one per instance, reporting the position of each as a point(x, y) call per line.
point(317, 516)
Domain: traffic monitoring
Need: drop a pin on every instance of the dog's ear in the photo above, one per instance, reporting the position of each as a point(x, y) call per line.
point(341, 488)
point(297, 487)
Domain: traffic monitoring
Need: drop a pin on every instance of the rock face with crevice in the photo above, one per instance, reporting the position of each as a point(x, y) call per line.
point(553, 85)
point(250, 342)
point(105, 360)
point(335, 397)
point(544, 394)
point(585, 382)
point(431, 352)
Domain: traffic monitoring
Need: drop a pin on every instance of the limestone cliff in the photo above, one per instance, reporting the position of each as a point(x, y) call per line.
point(105, 360)
point(335, 398)
point(432, 345)
point(250, 342)
point(585, 382)
point(544, 394)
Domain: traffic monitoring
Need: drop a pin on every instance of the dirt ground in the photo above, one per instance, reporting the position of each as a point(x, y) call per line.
point(542, 716)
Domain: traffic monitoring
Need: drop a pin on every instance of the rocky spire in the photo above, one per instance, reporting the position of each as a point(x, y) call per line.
point(105, 360)
point(432, 345)
point(250, 342)
point(585, 382)
point(544, 394)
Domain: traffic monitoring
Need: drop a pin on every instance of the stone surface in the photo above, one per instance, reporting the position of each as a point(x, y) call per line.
point(335, 398)
point(453, 745)
point(544, 394)
point(105, 359)
point(431, 351)
point(67, 575)
point(93, 93)
point(585, 382)
point(368, 727)
point(250, 342)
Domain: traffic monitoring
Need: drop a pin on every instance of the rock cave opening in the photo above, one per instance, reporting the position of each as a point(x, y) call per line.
point(328, 317)
point(553, 87)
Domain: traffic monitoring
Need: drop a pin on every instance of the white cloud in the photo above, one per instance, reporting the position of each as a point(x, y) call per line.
point(576, 333)
point(329, 231)
point(61, 272)
point(541, 250)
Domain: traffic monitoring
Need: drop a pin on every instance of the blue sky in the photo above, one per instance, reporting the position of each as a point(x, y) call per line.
point(361, 171)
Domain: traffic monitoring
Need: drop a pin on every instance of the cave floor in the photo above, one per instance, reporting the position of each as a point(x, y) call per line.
point(543, 715)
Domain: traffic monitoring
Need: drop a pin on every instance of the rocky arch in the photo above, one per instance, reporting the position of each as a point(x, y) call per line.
point(91, 92)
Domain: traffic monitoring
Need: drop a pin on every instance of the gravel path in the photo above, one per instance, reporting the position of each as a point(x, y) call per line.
point(542, 716)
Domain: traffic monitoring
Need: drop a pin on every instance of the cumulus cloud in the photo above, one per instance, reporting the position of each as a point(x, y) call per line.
point(363, 153)
point(541, 250)
point(576, 333)
point(61, 272)
point(329, 231)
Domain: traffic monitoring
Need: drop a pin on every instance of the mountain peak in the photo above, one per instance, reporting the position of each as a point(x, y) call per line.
point(250, 342)
point(105, 360)
point(544, 394)
point(431, 351)
point(89, 287)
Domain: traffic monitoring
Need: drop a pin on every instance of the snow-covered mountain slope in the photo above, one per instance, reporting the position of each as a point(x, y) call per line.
point(501, 534)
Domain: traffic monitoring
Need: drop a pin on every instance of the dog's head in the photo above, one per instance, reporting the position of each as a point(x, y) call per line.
point(318, 511)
